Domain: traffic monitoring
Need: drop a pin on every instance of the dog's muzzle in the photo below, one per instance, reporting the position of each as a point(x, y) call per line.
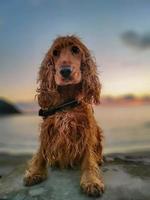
point(66, 71)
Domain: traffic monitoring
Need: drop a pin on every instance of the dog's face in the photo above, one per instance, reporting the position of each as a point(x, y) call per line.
point(67, 62)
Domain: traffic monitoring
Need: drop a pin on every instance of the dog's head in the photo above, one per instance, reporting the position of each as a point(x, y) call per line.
point(66, 53)
point(69, 62)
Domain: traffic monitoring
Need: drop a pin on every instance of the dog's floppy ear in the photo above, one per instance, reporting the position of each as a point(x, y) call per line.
point(91, 86)
point(47, 87)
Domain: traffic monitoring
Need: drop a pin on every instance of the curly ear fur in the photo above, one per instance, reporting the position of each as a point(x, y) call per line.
point(91, 86)
point(47, 93)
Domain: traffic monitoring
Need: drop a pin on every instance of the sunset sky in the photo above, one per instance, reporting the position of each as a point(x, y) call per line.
point(116, 31)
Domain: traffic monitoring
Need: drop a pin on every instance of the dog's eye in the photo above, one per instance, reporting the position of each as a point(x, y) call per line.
point(75, 50)
point(56, 53)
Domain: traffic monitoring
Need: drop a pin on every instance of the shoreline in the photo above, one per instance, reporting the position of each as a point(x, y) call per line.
point(145, 152)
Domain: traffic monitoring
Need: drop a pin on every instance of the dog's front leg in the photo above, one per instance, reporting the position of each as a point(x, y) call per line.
point(36, 171)
point(91, 179)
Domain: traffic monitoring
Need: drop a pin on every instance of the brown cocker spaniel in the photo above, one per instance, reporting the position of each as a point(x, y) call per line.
point(68, 86)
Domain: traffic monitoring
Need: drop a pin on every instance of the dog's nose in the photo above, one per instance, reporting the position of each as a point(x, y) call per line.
point(65, 71)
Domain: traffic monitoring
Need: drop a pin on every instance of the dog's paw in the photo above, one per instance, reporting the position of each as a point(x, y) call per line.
point(95, 189)
point(33, 179)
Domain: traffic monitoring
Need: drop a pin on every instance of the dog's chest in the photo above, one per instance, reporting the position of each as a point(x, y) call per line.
point(65, 136)
point(71, 123)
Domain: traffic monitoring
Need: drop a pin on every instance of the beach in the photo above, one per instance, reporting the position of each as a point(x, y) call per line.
point(126, 167)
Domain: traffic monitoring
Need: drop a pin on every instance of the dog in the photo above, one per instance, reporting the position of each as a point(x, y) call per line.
point(68, 87)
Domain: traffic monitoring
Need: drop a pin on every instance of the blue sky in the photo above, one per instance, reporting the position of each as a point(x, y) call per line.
point(27, 28)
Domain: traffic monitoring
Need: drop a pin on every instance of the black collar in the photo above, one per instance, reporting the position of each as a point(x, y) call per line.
point(52, 111)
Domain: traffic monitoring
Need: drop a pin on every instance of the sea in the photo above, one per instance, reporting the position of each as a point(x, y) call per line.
point(125, 128)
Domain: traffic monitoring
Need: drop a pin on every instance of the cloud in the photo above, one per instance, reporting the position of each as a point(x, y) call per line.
point(135, 40)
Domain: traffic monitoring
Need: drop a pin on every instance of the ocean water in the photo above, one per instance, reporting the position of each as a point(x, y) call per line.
point(125, 129)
